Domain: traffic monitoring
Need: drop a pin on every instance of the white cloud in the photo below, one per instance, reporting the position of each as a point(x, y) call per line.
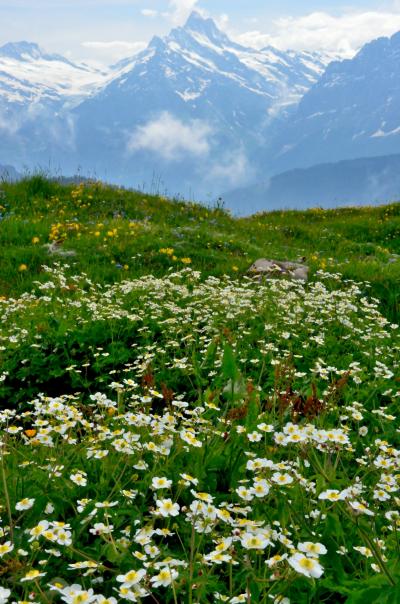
point(148, 12)
point(171, 138)
point(115, 49)
point(233, 170)
point(181, 9)
point(177, 13)
point(345, 33)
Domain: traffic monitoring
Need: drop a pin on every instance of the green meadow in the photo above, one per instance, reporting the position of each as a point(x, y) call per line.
point(175, 430)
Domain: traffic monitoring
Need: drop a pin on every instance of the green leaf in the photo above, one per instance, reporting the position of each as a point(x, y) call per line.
point(112, 555)
point(236, 389)
point(375, 595)
point(252, 414)
point(229, 369)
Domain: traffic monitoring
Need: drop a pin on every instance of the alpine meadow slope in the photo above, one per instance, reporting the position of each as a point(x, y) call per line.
point(173, 429)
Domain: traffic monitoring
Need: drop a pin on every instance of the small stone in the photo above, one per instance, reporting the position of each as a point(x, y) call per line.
point(272, 269)
point(55, 250)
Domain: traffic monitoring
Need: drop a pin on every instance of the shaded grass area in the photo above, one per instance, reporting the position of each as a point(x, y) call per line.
point(114, 234)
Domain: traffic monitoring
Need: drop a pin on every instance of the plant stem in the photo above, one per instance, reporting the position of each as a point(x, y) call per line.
point(191, 562)
point(173, 587)
point(7, 497)
point(378, 556)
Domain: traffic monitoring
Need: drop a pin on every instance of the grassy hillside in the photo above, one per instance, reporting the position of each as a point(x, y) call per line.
point(173, 431)
point(118, 234)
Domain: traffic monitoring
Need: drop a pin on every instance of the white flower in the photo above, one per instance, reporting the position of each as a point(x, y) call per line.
point(281, 478)
point(189, 479)
point(5, 548)
point(106, 504)
point(381, 495)
point(151, 550)
point(244, 493)
point(32, 575)
point(79, 478)
point(202, 496)
point(217, 557)
point(134, 594)
point(254, 437)
point(39, 529)
point(160, 483)
point(265, 427)
point(4, 595)
point(254, 541)
point(306, 566)
point(260, 488)
point(99, 528)
point(190, 437)
point(271, 562)
point(365, 551)
point(166, 507)
point(74, 594)
point(360, 508)
point(63, 537)
point(332, 495)
point(258, 464)
point(24, 504)
point(312, 549)
point(164, 577)
point(132, 577)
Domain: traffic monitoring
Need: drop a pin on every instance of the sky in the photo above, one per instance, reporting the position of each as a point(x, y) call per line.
point(105, 31)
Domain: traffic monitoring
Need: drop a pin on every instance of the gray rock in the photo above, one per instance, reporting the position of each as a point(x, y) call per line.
point(272, 269)
point(55, 250)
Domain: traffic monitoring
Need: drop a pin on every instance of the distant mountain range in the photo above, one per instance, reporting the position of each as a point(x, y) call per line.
point(189, 109)
point(29, 75)
point(353, 110)
point(362, 181)
point(197, 114)
point(8, 173)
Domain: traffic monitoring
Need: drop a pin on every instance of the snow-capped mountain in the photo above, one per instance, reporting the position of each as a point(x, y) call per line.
point(192, 56)
point(29, 74)
point(352, 111)
point(37, 93)
point(191, 106)
point(192, 109)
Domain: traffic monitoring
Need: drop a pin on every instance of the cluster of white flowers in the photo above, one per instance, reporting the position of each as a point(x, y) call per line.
point(131, 493)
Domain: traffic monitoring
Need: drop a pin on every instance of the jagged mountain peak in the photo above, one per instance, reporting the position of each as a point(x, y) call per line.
point(196, 22)
point(381, 47)
point(156, 43)
point(31, 51)
point(21, 50)
point(351, 111)
point(200, 30)
point(30, 75)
